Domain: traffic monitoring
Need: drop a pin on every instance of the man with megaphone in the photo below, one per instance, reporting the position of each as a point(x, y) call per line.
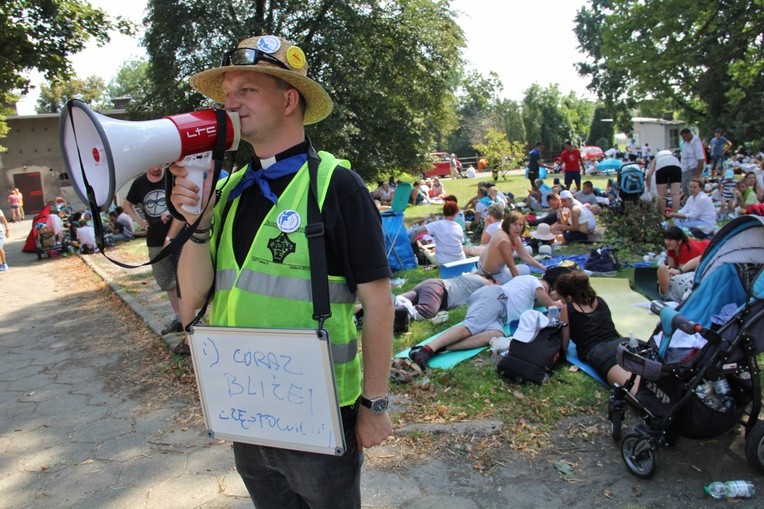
point(252, 245)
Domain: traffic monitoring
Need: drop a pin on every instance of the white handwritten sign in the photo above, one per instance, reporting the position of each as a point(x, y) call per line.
point(268, 387)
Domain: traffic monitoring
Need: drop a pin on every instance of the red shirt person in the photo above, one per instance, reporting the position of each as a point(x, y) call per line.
point(572, 165)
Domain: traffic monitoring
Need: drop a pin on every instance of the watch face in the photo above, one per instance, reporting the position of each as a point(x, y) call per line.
point(377, 405)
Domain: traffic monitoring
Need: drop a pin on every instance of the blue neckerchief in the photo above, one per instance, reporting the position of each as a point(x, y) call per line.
point(486, 200)
point(277, 170)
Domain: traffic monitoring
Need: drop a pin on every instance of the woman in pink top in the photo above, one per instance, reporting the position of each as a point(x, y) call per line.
point(14, 201)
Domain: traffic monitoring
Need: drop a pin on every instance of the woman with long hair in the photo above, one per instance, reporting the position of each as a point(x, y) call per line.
point(590, 326)
point(498, 259)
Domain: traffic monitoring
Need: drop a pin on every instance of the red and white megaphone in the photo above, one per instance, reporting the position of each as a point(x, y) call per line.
point(114, 151)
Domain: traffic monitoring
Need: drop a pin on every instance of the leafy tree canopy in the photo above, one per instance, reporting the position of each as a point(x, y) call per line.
point(53, 96)
point(390, 67)
point(41, 34)
point(706, 57)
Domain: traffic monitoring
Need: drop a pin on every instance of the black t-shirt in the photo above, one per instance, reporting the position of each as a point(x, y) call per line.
point(355, 248)
point(588, 330)
point(151, 197)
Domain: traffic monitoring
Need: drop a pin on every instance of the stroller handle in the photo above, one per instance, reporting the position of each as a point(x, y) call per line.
point(676, 320)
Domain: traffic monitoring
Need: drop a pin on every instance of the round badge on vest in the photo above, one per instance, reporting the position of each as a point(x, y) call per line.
point(288, 221)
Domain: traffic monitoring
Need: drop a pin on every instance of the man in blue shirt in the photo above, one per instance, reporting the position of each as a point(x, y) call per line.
point(719, 145)
point(535, 162)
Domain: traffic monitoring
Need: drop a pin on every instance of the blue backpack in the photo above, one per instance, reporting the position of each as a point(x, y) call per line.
point(631, 182)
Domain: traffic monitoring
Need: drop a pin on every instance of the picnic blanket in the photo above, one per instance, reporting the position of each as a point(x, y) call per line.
point(572, 356)
point(450, 358)
point(630, 310)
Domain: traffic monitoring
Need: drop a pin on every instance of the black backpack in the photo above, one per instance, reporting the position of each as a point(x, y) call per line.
point(534, 361)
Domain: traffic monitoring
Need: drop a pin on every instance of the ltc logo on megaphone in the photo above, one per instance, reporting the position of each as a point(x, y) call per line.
point(110, 152)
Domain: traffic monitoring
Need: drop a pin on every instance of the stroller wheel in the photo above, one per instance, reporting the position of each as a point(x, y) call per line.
point(754, 447)
point(639, 455)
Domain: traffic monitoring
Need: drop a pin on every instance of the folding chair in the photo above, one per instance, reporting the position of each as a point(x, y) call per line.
point(400, 256)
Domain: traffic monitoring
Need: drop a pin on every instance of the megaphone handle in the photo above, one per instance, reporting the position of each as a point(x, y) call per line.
point(196, 175)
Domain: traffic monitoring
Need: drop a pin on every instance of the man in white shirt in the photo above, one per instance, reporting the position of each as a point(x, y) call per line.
point(698, 211)
point(86, 237)
point(693, 159)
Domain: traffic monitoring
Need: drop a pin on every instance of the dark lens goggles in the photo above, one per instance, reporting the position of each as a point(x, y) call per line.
point(250, 56)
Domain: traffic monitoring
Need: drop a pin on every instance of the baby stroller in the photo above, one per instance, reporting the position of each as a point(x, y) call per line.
point(699, 375)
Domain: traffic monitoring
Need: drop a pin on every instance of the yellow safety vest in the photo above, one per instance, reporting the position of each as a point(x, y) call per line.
point(273, 289)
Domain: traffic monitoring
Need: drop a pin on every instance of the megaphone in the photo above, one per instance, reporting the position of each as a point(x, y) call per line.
point(111, 152)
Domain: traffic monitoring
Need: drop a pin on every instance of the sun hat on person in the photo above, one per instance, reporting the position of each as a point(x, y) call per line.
point(531, 322)
point(566, 195)
point(545, 252)
point(272, 55)
point(543, 232)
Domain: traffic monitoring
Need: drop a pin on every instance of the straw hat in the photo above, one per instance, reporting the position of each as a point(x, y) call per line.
point(543, 232)
point(318, 102)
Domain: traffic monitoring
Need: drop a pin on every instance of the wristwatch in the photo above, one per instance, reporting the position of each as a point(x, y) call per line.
point(376, 405)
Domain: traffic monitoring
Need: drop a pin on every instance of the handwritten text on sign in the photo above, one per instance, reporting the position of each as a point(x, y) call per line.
point(267, 388)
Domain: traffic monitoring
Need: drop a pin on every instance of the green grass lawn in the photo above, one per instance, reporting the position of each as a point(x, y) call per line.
point(473, 389)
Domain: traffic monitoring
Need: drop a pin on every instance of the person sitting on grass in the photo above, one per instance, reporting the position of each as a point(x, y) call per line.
point(488, 310)
point(447, 233)
point(575, 221)
point(498, 259)
point(590, 327)
point(674, 283)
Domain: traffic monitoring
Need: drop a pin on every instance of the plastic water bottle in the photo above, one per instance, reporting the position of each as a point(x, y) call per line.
point(633, 343)
point(731, 489)
point(554, 315)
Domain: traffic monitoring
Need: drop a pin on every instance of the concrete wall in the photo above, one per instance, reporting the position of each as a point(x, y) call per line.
point(33, 146)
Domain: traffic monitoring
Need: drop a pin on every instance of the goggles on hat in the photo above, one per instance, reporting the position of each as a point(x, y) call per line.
point(249, 56)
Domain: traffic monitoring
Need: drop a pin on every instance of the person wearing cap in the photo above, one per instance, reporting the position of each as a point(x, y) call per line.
point(590, 327)
point(575, 222)
point(719, 146)
point(489, 309)
point(667, 170)
point(261, 270)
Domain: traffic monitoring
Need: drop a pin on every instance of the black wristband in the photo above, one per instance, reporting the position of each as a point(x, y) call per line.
point(205, 230)
point(197, 240)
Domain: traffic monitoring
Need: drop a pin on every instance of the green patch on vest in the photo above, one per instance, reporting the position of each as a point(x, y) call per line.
point(281, 247)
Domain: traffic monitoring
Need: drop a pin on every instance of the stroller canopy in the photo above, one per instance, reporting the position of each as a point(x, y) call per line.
point(741, 241)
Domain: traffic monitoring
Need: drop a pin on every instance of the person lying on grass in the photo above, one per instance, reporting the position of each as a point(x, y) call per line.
point(488, 310)
point(590, 327)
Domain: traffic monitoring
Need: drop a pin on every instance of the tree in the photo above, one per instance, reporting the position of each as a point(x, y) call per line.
point(41, 34)
point(544, 118)
point(475, 103)
point(705, 57)
point(53, 96)
point(390, 67)
point(601, 133)
point(502, 155)
point(131, 81)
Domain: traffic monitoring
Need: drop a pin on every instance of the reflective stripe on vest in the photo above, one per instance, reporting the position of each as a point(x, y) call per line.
point(275, 286)
point(273, 289)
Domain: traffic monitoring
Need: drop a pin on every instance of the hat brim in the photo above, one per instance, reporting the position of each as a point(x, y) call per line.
point(319, 104)
point(550, 236)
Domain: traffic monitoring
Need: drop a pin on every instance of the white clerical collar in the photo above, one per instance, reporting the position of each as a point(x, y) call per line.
point(266, 163)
